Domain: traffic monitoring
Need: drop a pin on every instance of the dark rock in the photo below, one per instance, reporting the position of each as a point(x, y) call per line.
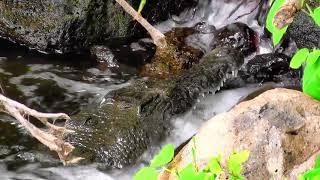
point(204, 28)
point(132, 52)
point(4, 151)
point(237, 35)
point(273, 67)
point(270, 67)
point(304, 31)
point(131, 118)
point(62, 26)
point(104, 55)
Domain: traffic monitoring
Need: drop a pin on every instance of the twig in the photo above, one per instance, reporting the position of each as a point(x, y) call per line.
point(53, 140)
point(157, 37)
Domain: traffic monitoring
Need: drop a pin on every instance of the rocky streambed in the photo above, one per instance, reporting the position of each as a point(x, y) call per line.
point(120, 118)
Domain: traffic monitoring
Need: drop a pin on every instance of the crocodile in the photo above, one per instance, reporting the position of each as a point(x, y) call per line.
point(120, 129)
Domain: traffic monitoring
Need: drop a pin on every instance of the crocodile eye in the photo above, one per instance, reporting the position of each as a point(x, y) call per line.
point(87, 121)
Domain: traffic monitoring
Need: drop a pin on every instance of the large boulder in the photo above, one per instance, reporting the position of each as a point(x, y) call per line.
point(279, 127)
point(65, 25)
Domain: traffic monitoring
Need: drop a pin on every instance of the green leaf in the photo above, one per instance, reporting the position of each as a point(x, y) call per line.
point(311, 80)
point(235, 162)
point(300, 56)
point(190, 173)
point(312, 174)
point(146, 173)
point(317, 164)
point(277, 34)
point(272, 12)
point(141, 6)
point(163, 157)
point(300, 177)
point(313, 56)
point(236, 177)
point(316, 15)
point(214, 166)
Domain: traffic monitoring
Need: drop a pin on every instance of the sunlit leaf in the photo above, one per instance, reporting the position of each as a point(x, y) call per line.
point(165, 156)
point(214, 166)
point(311, 80)
point(316, 15)
point(313, 56)
point(317, 164)
point(277, 34)
point(141, 6)
point(235, 162)
point(300, 56)
point(272, 12)
point(190, 173)
point(312, 174)
point(146, 173)
point(300, 177)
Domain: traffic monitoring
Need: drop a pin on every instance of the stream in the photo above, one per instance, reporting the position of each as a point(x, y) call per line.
point(68, 83)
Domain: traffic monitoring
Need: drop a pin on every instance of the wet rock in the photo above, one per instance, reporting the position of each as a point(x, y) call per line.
point(62, 26)
point(279, 128)
point(118, 131)
point(104, 55)
point(237, 35)
point(124, 51)
point(304, 31)
point(4, 151)
point(204, 28)
point(272, 67)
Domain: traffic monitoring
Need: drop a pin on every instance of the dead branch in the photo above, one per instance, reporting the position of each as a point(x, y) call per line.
point(53, 138)
point(157, 37)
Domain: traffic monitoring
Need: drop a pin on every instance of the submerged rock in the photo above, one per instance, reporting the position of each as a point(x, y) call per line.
point(118, 131)
point(62, 26)
point(304, 31)
point(279, 127)
point(237, 35)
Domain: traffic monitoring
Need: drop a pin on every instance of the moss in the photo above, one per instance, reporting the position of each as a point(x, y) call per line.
point(23, 18)
point(119, 20)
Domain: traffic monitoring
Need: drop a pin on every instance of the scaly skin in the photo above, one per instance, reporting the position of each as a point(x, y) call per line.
point(117, 132)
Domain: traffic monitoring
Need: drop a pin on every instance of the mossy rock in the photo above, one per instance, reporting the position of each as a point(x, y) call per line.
point(67, 25)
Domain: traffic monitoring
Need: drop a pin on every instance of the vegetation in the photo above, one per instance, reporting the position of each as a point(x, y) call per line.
point(311, 76)
point(314, 173)
point(192, 172)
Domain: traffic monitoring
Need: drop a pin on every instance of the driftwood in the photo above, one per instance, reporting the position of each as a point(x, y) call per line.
point(53, 138)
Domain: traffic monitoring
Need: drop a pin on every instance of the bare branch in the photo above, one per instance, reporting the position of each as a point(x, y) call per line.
point(157, 37)
point(52, 139)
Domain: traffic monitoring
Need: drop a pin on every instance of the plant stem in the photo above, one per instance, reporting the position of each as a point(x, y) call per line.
point(157, 37)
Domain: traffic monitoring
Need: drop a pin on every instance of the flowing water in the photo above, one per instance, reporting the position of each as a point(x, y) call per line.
point(68, 83)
